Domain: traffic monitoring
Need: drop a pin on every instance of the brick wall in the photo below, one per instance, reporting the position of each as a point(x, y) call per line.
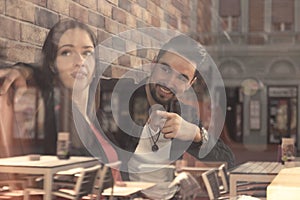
point(25, 23)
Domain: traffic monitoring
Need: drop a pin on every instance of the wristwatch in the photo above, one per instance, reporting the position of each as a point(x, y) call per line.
point(204, 135)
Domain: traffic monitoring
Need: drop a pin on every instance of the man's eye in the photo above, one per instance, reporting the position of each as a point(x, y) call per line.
point(165, 68)
point(182, 78)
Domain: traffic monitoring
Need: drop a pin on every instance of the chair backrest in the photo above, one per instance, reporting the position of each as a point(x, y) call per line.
point(102, 180)
point(86, 181)
point(189, 186)
point(223, 174)
point(210, 179)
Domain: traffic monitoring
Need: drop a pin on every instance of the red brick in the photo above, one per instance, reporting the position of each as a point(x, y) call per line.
point(177, 4)
point(122, 28)
point(170, 9)
point(163, 24)
point(102, 35)
point(60, 6)
point(151, 7)
point(124, 60)
point(136, 36)
point(105, 8)
point(111, 26)
point(125, 4)
point(171, 20)
point(151, 54)
point(115, 2)
point(78, 12)
point(2, 6)
point(118, 15)
point(135, 62)
point(9, 28)
point(157, 2)
point(160, 13)
point(39, 2)
point(45, 18)
point(142, 3)
point(20, 10)
point(146, 40)
point(185, 20)
point(155, 21)
point(117, 72)
point(118, 44)
point(130, 20)
point(184, 28)
point(137, 11)
point(140, 24)
point(96, 20)
point(3, 49)
point(142, 53)
point(91, 4)
point(131, 47)
point(147, 17)
point(21, 52)
point(33, 34)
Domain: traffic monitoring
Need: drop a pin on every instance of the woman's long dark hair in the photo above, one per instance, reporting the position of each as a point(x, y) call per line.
point(50, 46)
point(49, 76)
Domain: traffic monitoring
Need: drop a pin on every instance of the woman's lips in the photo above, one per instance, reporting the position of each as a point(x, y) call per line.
point(81, 74)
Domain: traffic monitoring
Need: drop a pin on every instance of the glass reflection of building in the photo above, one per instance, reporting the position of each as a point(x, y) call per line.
point(257, 41)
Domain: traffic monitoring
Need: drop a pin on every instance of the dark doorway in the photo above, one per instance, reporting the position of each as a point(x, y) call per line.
point(234, 113)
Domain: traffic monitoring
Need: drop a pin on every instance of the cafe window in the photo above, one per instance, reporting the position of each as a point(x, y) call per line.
point(282, 113)
point(230, 13)
point(283, 15)
point(28, 114)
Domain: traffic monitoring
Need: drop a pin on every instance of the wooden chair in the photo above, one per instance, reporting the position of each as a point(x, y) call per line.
point(102, 180)
point(12, 189)
point(252, 188)
point(212, 184)
point(84, 185)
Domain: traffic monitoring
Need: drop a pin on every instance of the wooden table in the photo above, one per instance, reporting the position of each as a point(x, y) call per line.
point(286, 185)
point(128, 190)
point(46, 166)
point(253, 172)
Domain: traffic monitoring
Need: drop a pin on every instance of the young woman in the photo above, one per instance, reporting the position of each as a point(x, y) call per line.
point(68, 64)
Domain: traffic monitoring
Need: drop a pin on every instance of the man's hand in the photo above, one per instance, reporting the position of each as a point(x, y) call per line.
point(177, 127)
point(15, 76)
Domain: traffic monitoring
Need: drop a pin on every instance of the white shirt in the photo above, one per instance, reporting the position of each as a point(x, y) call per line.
point(149, 166)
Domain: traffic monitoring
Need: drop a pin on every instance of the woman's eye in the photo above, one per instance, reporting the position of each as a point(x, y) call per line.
point(65, 53)
point(88, 53)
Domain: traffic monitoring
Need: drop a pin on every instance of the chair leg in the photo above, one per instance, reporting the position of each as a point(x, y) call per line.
point(26, 194)
point(32, 191)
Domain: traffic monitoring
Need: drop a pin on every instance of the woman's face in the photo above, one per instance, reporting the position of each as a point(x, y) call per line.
point(75, 60)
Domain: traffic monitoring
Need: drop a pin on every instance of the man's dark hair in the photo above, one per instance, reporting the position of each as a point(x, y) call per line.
point(186, 47)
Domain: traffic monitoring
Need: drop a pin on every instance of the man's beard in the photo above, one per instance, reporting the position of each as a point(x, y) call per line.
point(156, 97)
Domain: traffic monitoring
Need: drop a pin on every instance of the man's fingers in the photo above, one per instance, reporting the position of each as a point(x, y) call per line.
point(11, 77)
point(164, 114)
point(7, 82)
point(4, 72)
point(19, 93)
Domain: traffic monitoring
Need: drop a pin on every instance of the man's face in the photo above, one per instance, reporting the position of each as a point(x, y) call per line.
point(171, 76)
